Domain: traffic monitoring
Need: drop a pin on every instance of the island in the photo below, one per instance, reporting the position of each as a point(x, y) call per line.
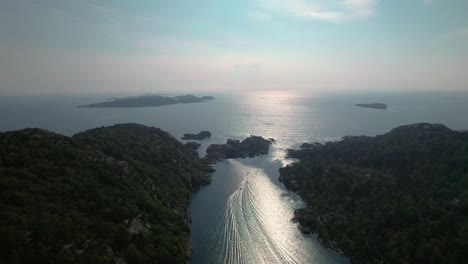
point(150, 101)
point(202, 135)
point(401, 197)
point(249, 147)
point(116, 194)
point(373, 105)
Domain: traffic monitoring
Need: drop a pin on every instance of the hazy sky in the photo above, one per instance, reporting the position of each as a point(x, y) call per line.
point(205, 45)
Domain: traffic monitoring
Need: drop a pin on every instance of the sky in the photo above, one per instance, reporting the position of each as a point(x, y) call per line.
point(121, 46)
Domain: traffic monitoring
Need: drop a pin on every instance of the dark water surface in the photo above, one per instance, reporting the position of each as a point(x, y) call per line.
point(244, 216)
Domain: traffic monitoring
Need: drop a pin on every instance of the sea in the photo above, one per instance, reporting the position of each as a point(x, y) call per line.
point(245, 215)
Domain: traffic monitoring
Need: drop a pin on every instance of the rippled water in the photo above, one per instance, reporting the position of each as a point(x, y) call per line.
point(251, 230)
point(249, 221)
point(244, 216)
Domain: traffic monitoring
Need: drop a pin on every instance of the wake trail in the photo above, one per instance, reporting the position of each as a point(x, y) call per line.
point(246, 237)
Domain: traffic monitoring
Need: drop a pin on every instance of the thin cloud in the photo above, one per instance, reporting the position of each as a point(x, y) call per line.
point(301, 9)
point(101, 8)
point(331, 10)
point(361, 8)
point(459, 34)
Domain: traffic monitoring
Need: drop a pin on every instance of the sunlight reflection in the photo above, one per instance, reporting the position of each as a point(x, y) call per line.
point(257, 227)
point(279, 115)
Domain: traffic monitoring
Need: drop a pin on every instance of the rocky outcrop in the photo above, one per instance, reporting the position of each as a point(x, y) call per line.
point(138, 226)
point(202, 135)
point(248, 148)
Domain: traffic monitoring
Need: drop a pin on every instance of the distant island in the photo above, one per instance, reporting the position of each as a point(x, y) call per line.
point(202, 135)
point(373, 105)
point(401, 197)
point(151, 101)
point(116, 194)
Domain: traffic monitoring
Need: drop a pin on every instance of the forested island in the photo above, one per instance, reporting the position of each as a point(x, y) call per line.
point(200, 136)
point(401, 197)
point(151, 101)
point(250, 147)
point(373, 105)
point(108, 195)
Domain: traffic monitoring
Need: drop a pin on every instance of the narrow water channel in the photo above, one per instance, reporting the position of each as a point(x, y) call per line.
point(245, 216)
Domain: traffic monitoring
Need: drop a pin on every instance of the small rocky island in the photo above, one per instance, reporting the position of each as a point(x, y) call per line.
point(202, 135)
point(374, 106)
point(151, 101)
point(249, 147)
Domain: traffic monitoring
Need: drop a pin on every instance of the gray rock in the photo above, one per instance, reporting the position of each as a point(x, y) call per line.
point(120, 261)
point(138, 226)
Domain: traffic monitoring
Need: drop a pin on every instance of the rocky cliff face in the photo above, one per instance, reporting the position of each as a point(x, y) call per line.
point(109, 194)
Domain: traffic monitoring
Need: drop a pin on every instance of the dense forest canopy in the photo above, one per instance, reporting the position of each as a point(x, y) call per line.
point(401, 197)
point(106, 195)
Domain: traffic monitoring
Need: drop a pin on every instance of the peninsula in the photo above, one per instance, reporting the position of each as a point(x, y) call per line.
point(116, 194)
point(401, 197)
point(150, 101)
point(373, 105)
